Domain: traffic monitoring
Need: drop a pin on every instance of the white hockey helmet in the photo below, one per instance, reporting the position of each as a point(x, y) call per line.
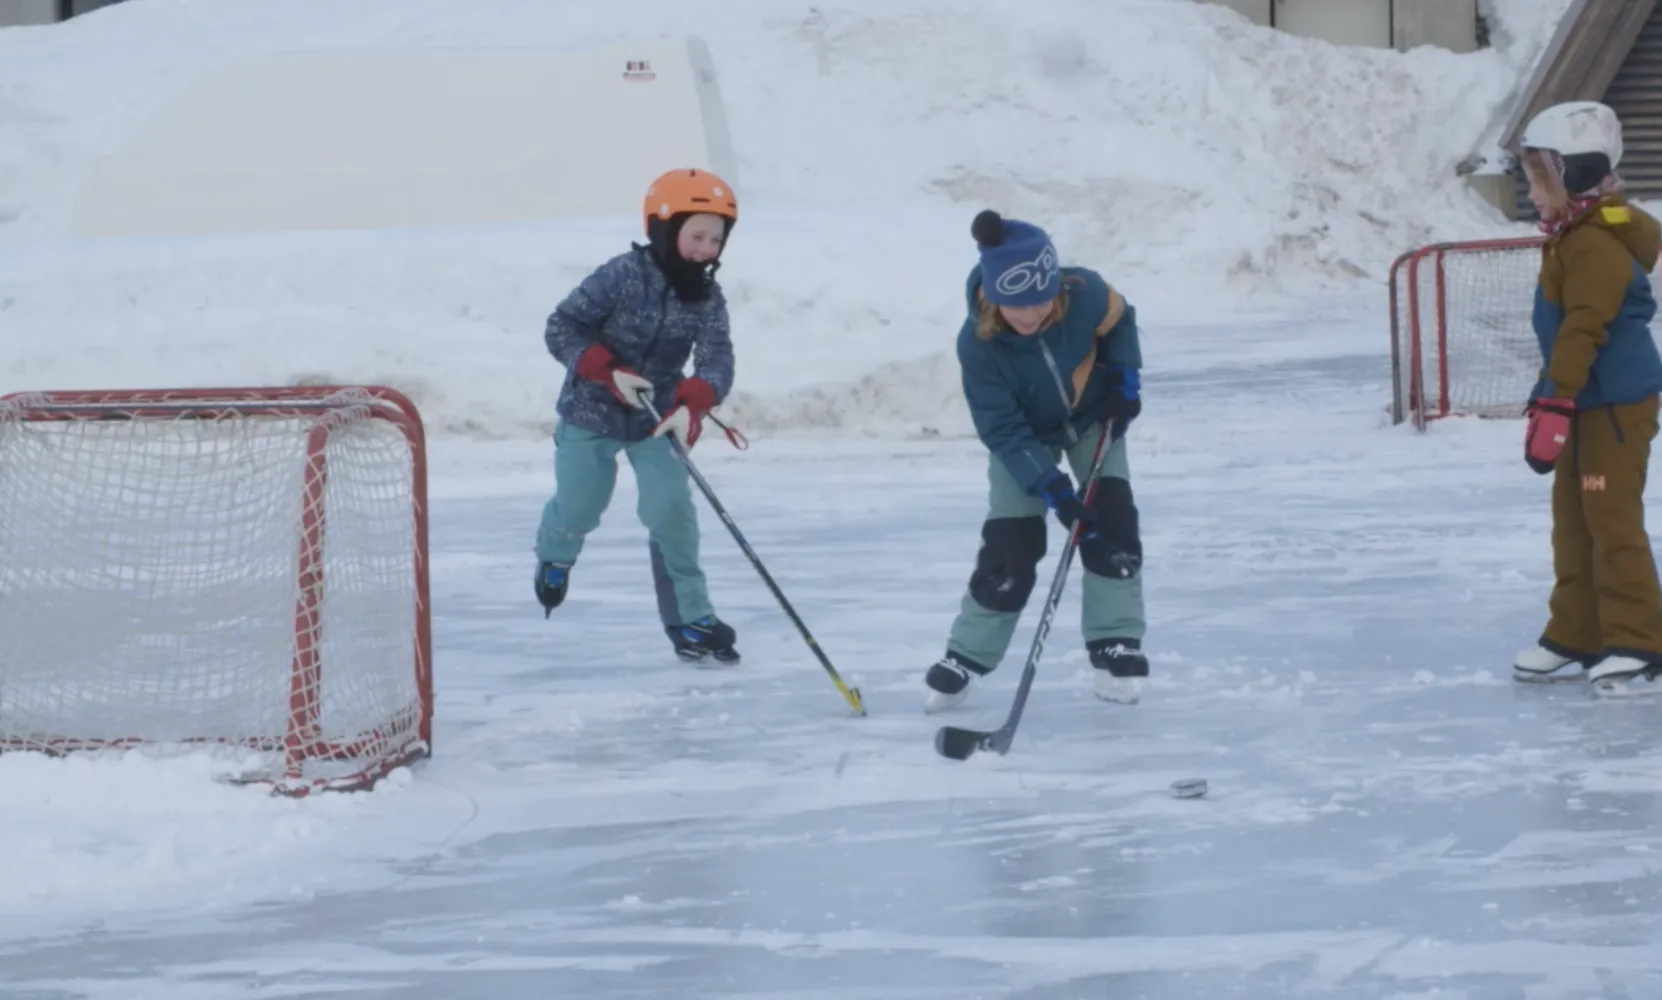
point(1586, 135)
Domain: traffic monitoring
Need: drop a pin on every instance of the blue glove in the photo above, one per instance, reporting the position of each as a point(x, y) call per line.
point(1059, 496)
point(1124, 400)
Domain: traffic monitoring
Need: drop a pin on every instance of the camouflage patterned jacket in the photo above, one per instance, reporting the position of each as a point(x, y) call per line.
point(626, 305)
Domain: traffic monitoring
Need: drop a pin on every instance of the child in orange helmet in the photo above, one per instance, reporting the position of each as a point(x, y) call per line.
point(630, 328)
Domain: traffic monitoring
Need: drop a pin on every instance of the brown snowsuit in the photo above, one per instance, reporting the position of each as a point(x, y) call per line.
point(1592, 318)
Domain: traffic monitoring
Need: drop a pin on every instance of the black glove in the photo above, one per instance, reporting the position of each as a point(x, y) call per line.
point(1124, 400)
point(1059, 496)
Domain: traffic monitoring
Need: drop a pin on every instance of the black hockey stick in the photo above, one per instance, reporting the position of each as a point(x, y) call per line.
point(959, 744)
point(850, 694)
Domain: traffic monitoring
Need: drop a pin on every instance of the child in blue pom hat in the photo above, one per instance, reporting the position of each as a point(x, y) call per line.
point(1050, 361)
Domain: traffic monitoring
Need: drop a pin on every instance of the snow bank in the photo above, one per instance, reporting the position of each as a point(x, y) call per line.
point(127, 832)
point(1210, 168)
point(1520, 30)
point(1206, 165)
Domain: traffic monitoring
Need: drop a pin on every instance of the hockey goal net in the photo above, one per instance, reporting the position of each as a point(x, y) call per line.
point(1461, 340)
point(238, 571)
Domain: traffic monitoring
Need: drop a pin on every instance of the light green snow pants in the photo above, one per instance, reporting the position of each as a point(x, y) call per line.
point(1013, 543)
point(585, 473)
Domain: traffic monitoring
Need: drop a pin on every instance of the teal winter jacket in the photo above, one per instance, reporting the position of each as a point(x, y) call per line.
point(1030, 396)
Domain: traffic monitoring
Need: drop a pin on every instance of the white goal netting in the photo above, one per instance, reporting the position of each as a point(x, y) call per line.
point(1462, 336)
point(243, 572)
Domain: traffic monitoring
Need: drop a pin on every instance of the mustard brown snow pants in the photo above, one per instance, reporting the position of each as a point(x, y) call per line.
point(1606, 601)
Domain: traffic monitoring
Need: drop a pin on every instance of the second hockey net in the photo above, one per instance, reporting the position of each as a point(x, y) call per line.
point(1461, 339)
point(242, 570)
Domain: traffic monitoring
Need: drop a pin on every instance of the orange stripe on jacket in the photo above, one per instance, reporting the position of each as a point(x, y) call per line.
point(1082, 374)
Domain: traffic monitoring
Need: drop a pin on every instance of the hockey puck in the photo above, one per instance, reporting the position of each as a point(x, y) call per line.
point(1189, 788)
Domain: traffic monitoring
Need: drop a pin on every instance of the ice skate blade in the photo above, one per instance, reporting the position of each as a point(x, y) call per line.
point(1626, 688)
point(708, 661)
point(1119, 690)
point(938, 702)
point(1562, 675)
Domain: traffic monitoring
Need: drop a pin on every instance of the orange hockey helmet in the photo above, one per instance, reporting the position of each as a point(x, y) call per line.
point(689, 191)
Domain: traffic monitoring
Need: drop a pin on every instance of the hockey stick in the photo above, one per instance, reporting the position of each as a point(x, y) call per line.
point(850, 694)
point(958, 744)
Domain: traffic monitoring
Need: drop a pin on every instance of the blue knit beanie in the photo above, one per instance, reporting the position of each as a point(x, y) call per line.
point(1018, 261)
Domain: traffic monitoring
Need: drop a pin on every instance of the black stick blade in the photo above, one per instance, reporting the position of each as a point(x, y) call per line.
point(958, 744)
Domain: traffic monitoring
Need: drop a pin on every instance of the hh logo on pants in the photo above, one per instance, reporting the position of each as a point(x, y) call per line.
point(1592, 484)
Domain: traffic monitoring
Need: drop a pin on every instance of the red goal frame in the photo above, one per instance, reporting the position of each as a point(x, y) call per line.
point(303, 741)
point(1409, 396)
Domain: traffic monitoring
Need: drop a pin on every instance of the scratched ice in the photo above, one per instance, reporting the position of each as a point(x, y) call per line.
point(1333, 602)
point(1333, 606)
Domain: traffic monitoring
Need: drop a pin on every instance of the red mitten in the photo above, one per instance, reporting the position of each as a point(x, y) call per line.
point(694, 399)
point(1547, 431)
point(597, 364)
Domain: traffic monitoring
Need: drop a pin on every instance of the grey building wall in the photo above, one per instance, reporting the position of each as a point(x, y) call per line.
point(1449, 24)
point(16, 12)
point(19, 12)
point(1256, 11)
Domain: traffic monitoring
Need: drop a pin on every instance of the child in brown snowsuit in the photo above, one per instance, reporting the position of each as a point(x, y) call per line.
point(1593, 415)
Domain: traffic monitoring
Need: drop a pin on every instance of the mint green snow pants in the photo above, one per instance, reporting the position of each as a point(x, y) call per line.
point(1014, 541)
point(585, 473)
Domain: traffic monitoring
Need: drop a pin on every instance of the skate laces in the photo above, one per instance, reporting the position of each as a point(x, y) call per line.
point(700, 629)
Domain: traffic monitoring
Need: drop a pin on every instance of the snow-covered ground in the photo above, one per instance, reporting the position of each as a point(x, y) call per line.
point(1209, 167)
point(1333, 608)
point(1333, 601)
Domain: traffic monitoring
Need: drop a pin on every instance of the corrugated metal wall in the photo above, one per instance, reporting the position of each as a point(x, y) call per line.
point(1636, 95)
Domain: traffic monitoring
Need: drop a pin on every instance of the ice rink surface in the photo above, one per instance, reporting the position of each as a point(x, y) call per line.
point(1333, 604)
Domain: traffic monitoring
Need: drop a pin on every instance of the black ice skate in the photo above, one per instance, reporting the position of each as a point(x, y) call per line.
point(707, 638)
point(551, 583)
point(1121, 669)
point(948, 682)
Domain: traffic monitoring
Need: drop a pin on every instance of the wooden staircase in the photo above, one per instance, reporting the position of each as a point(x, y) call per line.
point(1636, 96)
point(1610, 51)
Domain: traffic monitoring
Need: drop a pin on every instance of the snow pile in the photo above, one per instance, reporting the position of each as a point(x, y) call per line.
point(1205, 165)
point(1209, 168)
point(80, 838)
point(1520, 30)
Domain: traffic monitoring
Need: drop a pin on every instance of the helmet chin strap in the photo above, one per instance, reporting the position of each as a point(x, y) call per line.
point(1545, 167)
